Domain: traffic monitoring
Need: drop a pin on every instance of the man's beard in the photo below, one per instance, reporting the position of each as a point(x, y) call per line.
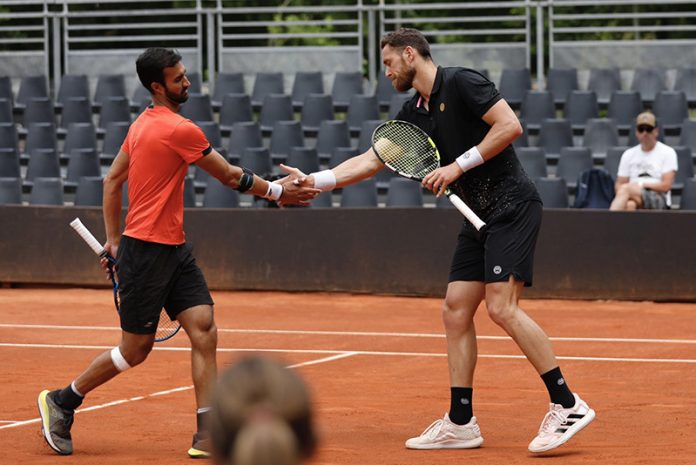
point(177, 99)
point(405, 82)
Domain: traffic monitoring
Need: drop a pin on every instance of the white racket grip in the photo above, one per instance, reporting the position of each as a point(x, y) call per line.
point(467, 212)
point(87, 236)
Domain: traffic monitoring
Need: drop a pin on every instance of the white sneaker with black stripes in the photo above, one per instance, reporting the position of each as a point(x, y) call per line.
point(443, 434)
point(560, 424)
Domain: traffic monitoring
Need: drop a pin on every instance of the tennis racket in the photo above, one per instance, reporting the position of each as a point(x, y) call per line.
point(408, 151)
point(166, 328)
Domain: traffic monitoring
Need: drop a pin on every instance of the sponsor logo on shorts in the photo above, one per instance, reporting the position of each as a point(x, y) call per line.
point(561, 381)
point(464, 401)
point(497, 269)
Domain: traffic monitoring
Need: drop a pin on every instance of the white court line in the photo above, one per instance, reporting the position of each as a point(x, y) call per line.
point(169, 391)
point(362, 352)
point(364, 333)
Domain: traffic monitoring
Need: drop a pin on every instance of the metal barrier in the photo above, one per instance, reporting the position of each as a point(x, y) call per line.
point(24, 37)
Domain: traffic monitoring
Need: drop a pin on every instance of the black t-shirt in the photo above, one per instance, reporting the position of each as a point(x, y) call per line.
point(458, 101)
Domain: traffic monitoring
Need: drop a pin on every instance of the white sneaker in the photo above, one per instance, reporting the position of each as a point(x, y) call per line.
point(561, 424)
point(443, 434)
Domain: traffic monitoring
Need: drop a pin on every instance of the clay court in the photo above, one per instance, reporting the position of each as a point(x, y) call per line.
point(378, 372)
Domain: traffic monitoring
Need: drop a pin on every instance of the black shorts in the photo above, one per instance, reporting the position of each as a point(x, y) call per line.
point(152, 276)
point(504, 247)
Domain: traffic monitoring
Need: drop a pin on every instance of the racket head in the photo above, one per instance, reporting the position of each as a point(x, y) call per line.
point(166, 328)
point(405, 149)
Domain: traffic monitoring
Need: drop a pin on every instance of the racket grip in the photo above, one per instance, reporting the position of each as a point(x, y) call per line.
point(466, 211)
point(87, 236)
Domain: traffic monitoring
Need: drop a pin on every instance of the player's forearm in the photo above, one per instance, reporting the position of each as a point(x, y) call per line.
point(111, 208)
point(501, 134)
point(357, 168)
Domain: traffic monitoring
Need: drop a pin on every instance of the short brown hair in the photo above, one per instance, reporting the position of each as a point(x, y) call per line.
point(407, 37)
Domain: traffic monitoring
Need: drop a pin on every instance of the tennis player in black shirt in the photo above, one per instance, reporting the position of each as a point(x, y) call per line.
point(473, 128)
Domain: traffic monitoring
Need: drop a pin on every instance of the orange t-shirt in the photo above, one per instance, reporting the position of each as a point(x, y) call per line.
point(160, 145)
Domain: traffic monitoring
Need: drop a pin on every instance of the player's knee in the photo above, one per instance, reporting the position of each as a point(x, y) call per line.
point(455, 317)
point(133, 354)
point(500, 311)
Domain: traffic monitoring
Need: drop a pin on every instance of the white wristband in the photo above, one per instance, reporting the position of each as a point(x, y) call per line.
point(324, 180)
point(274, 191)
point(470, 159)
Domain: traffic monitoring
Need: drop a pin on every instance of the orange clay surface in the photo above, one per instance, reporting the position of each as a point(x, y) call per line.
point(378, 377)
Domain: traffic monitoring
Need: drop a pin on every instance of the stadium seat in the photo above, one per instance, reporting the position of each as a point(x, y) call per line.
point(624, 106)
point(361, 108)
point(227, 83)
point(189, 193)
point(9, 163)
point(306, 83)
point(218, 195)
point(304, 158)
point(687, 201)
point(604, 82)
point(382, 179)
point(265, 84)
point(688, 134)
point(114, 135)
point(331, 134)
point(109, 86)
point(39, 110)
point(41, 136)
point(72, 86)
point(89, 192)
point(671, 109)
point(533, 160)
point(276, 107)
point(536, 107)
point(648, 82)
point(404, 193)
point(322, 200)
point(10, 191)
point(6, 111)
point(285, 136)
point(140, 96)
point(47, 191)
point(80, 136)
point(8, 137)
point(360, 195)
point(553, 192)
point(514, 84)
point(571, 162)
point(612, 160)
point(580, 106)
point(114, 109)
point(341, 154)
point(82, 162)
point(258, 160)
point(396, 103)
point(365, 136)
point(244, 134)
point(43, 162)
point(686, 82)
point(685, 166)
point(235, 108)
point(75, 110)
point(600, 134)
point(554, 135)
point(560, 82)
point(384, 91)
point(6, 89)
point(316, 109)
point(31, 87)
point(212, 132)
point(197, 108)
point(346, 84)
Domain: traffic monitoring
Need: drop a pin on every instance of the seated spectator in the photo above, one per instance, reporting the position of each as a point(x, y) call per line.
point(261, 414)
point(646, 171)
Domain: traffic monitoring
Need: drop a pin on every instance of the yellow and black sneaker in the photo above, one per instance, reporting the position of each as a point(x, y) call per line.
point(200, 446)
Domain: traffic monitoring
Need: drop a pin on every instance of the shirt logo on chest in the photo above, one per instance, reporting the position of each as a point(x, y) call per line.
point(442, 106)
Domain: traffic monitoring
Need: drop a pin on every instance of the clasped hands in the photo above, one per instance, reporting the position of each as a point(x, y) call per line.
point(297, 187)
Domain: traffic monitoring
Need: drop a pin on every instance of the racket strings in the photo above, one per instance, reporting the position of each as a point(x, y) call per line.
point(166, 328)
point(406, 149)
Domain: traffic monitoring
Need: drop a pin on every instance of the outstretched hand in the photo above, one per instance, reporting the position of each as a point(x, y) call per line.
point(441, 178)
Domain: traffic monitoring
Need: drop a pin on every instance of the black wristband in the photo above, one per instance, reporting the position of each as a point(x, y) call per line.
point(246, 181)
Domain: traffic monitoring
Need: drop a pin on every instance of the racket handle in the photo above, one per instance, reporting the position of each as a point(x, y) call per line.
point(466, 211)
point(87, 236)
